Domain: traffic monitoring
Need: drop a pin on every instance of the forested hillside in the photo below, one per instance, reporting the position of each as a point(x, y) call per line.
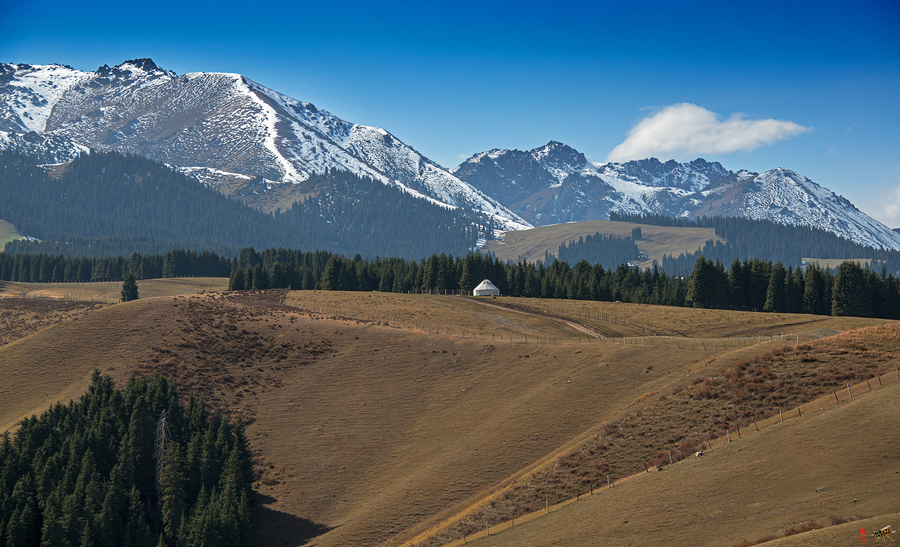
point(110, 196)
point(108, 204)
point(132, 467)
point(599, 249)
point(362, 215)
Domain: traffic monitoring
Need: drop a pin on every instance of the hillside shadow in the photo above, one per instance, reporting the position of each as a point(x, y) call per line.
point(272, 527)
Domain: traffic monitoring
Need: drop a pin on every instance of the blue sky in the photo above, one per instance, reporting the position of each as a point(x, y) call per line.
point(811, 86)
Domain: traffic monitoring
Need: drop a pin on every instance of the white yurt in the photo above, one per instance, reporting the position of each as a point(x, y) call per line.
point(486, 288)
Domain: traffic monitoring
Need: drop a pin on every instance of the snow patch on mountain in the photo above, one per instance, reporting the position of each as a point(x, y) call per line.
point(380, 155)
point(31, 92)
point(51, 149)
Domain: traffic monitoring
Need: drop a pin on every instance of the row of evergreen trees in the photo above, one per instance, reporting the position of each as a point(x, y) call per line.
point(45, 268)
point(126, 468)
point(599, 249)
point(751, 284)
point(762, 285)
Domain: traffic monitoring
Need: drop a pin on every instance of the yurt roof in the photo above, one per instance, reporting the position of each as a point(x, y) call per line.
point(486, 285)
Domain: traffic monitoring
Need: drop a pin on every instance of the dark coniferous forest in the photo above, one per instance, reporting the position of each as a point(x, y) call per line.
point(134, 467)
point(599, 249)
point(109, 204)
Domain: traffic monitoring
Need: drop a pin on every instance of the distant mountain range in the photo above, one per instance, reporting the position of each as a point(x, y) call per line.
point(225, 129)
point(555, 183)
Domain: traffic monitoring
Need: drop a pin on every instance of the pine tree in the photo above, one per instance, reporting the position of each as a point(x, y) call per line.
point(173, 499)
point(129, 288)
point(775, 299)
point(850, 295)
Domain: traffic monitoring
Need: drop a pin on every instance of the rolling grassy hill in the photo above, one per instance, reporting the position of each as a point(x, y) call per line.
point(376, 416)
point(655, 242)
point(753, 489)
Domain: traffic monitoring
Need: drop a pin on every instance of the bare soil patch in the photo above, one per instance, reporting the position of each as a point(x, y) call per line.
point(20, 317)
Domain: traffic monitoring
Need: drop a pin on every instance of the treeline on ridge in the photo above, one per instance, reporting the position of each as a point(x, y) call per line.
point(746, 238)
point(110, 204)
point(599, 249)
point(132, 468)
point(751, 284)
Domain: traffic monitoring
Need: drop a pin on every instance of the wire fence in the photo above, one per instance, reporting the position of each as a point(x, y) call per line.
point(714, 439)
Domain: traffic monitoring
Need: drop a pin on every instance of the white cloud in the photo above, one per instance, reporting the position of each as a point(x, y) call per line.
point(686, 129)
point(889, 212)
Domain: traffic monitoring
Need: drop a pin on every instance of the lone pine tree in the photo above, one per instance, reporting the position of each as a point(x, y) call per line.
point(129, 288)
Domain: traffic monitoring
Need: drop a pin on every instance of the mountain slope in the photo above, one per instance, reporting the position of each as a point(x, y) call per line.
point(116, 204)
point(555, 183)
point(225, 122)
point(30, 92)
point(786, 197)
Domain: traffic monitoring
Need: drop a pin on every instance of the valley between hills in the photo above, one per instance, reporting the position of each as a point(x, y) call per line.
point(397, 419)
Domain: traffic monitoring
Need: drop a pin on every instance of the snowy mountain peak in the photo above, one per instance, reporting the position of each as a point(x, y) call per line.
point(590, 191)
point(225, 122)
point(693, 176)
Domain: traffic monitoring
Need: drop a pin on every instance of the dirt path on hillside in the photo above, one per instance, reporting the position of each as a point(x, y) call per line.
point(566, 324)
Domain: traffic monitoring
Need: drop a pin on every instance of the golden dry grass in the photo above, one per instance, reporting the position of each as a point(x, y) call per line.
point(832, 263)
point(8, 233)
point(20, 317)
point(656, 241)
point(369, 423)
point(540, 318)
point(754, 488)
point(111, 291)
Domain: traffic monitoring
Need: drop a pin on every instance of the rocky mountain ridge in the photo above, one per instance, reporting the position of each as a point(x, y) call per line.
point(556, 183)
point(224, 128)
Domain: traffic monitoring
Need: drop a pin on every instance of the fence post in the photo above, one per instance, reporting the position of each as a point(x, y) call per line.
point(780, 415)
point(848, 390)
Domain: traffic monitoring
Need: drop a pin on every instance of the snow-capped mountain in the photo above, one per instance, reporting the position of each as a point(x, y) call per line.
point(226, 130)
point(787, 197)
point(224, 122)
point(555, 183)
